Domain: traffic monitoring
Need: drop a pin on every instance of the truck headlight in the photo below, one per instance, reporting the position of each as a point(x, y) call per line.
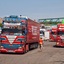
point(57, 43)
point(20, 47)
point(2, 47)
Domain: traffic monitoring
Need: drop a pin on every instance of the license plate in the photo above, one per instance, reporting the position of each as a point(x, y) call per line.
point(10, 51)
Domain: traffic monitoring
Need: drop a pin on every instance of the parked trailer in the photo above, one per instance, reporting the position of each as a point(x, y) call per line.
point(19, 35)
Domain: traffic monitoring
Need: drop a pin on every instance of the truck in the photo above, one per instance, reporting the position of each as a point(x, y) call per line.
point(60, 35)
point(53, 34)
point(19, 34)
point(44, 34)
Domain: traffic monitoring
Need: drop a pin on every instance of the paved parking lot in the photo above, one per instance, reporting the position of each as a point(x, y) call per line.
point(49, 55)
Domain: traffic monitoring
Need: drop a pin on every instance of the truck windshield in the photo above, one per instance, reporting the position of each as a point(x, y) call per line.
point(42, 32)
point(8, 31)
point(53, 33)
point(60, 33)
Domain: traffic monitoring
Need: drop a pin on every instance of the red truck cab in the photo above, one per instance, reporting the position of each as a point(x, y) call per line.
point(60, 35)
point(53, 34)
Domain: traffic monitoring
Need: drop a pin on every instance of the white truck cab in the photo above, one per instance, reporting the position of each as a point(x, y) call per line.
point(44, 34)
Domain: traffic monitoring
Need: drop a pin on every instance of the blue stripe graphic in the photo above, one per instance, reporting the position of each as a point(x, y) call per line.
point(13, 46)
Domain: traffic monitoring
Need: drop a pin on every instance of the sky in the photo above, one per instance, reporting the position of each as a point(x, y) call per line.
point(34, 9)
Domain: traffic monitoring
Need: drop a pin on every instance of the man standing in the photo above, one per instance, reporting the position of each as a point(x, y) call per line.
point(40, 43)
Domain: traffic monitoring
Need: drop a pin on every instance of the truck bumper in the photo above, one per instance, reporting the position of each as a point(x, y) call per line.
point(12, 51)
point(59, 44)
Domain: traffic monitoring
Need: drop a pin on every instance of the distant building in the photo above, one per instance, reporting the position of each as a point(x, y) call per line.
point(1, 20)
point(51, 19)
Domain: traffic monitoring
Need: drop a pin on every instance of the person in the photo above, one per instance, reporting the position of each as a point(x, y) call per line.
point(40, 43)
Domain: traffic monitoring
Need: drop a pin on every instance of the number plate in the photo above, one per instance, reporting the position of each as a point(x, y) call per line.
point(10, 51)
